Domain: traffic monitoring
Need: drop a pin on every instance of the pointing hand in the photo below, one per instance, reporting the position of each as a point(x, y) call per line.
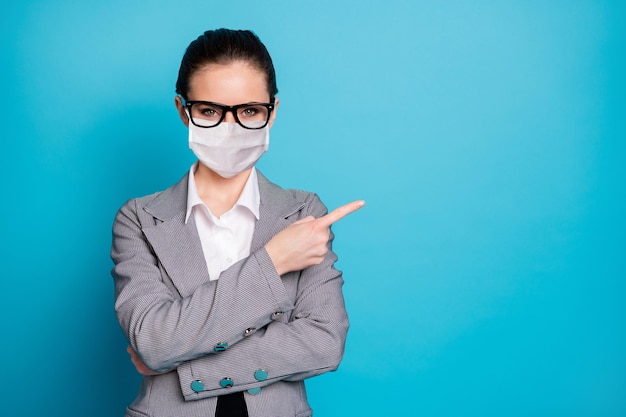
point(303, 243)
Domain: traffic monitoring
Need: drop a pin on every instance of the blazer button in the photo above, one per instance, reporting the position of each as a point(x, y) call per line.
point(254, 391)
point(260, 375)
point(249, 331)
point(197, 386)
point(277, 315)
point(220, 347)
point(226, 383)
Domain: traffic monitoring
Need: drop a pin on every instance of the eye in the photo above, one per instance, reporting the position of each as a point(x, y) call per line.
point(252, 112)
point(206, 111)
point(249, 111)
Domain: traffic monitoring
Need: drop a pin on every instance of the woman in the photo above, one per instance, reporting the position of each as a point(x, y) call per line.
point(224, 282)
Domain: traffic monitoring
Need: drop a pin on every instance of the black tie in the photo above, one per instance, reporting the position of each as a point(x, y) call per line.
point(231, 405)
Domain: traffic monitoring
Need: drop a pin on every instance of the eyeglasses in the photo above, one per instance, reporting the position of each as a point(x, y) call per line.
point(248, 115)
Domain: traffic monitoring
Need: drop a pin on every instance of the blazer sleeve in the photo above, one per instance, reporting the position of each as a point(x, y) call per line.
point(308, 341)
point(167, 329)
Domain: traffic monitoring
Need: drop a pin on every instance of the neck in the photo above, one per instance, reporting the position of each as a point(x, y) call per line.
point(218, 193)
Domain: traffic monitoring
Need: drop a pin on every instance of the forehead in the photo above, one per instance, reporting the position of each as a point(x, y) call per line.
point(231, 83)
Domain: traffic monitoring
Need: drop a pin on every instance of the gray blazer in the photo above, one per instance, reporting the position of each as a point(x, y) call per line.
point(252, 330)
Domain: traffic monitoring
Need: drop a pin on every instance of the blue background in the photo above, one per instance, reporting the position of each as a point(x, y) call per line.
point(485, 276)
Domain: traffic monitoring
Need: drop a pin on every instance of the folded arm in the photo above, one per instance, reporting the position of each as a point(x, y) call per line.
point(308, 341)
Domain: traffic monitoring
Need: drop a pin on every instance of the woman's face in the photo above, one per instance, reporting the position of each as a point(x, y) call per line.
point(235, 83)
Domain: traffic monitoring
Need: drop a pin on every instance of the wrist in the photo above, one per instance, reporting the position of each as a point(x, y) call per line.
point(278, 263)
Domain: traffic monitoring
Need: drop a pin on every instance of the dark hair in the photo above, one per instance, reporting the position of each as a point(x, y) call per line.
point(223, 46)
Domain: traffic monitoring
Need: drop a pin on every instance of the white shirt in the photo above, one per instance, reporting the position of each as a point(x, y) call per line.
point(225, 240)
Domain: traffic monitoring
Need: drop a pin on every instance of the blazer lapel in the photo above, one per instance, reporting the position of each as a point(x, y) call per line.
point(177, 245)
point(276, 208)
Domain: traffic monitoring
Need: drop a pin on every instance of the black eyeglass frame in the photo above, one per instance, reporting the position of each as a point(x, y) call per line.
point(233, 109)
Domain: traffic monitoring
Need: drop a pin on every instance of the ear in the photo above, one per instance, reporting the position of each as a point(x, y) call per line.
point(178, 102)
point(273, 115)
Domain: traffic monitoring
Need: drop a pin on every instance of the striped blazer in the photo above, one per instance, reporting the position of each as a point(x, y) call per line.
point(252, 330)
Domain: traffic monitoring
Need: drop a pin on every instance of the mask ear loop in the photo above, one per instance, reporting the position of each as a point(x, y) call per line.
point(189, 121)
point(185, 108)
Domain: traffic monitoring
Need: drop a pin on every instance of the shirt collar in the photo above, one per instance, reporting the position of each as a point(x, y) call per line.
point(249, 198)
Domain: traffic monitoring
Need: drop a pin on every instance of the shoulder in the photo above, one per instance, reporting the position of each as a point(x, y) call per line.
point(160, 204)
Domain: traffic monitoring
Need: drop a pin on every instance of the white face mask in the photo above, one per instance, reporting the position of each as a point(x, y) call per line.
point(228, 148)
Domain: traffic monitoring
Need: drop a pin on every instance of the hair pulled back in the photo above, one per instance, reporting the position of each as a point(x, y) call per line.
point(223, 46)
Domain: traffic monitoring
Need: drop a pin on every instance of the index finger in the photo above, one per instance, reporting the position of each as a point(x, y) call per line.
point(340, 212)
